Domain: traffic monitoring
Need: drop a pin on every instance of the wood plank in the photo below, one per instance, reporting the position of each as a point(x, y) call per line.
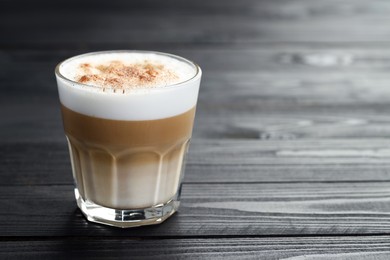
point(213, 210)
point(301, 152)
point(279, 92)
point(39, 119)
point(341, 248)
point(223, 161)
point(253, 21)
point(292, 74)
point(303, 72)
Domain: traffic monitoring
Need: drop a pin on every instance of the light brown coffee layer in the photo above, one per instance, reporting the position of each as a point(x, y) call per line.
point(127, 164)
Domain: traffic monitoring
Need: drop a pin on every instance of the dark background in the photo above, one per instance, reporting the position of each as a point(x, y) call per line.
point(290, 152)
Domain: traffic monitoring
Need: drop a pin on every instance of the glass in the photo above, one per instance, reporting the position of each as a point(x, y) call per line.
point(127, 166)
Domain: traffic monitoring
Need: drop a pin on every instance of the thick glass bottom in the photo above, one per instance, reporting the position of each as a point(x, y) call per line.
point(127, 218)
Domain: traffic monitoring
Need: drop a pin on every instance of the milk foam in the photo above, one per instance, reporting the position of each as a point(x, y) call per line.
point(164, 98)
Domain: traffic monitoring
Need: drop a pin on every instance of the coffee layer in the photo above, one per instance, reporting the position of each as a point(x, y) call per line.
point(127, 164)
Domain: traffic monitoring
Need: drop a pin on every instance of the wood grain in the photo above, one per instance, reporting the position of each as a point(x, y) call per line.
point(282, 92)
point(214, 210)
point(223, 161)
point(28, 24)
point(291, 72)
point(340, 248)
point(39, 119)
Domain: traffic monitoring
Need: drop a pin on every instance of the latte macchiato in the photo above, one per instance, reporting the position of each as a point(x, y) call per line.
point(128, 118)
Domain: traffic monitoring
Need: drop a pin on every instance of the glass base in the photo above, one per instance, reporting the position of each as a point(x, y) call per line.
point(127, 218)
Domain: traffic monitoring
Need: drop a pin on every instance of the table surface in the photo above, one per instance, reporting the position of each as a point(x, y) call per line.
point(290, 152)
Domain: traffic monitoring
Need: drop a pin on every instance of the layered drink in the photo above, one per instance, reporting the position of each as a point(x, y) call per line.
point(128, 118)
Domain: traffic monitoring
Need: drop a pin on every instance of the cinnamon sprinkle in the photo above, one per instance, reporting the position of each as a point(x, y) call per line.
point(117, 75)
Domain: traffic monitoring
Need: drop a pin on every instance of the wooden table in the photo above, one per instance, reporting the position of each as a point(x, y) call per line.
point(290, 154)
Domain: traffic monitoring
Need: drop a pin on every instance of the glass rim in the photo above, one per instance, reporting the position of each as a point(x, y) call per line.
point(197, 74)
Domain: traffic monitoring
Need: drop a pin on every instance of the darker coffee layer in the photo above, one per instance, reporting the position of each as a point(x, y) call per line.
point(121, 133)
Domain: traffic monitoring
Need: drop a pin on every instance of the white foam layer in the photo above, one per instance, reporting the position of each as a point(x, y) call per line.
point(136, 104)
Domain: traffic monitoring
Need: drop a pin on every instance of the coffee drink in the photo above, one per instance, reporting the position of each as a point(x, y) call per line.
point(127, 164)
point(128, 118)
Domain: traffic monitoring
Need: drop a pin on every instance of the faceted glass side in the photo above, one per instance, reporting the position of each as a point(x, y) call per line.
point(135, 178)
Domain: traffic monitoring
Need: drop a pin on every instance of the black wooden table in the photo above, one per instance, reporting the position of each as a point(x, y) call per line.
point(290, 155)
